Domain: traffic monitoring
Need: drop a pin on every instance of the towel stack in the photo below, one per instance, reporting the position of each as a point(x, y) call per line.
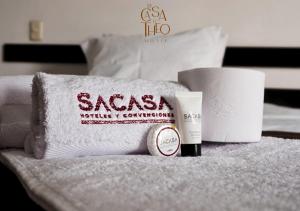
point(15, 109)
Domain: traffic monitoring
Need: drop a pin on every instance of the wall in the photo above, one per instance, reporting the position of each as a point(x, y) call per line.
point(249, 22)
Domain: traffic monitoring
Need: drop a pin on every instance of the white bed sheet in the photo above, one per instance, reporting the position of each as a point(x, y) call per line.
point(281, 118)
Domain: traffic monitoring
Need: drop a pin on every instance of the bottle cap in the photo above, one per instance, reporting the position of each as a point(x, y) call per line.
point(191, 150)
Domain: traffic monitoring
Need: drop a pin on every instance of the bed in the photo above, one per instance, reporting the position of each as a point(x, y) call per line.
point(228, 177)
point(259, 176)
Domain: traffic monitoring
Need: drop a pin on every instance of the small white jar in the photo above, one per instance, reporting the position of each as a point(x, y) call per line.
point(163, 140)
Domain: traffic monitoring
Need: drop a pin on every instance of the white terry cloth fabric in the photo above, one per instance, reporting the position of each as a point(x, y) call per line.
point(251, 177)
point(92, 115)
point(15, 103)
point(14, 125)
point(15, 89)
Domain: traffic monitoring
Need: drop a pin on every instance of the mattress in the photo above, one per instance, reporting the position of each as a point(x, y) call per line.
point(256, 176)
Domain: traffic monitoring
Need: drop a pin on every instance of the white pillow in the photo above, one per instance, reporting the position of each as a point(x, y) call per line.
point(132, 57)
point(14, 125)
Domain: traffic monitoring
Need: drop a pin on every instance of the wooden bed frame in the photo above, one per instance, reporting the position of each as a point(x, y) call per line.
point(13, 194)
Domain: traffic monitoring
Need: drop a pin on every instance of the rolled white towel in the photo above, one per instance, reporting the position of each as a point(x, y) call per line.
point(15, 89)
point(14, 125)
point(92, 115)
point(15, 108)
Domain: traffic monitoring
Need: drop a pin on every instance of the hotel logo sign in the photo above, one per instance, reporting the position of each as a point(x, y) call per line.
point(155, 21)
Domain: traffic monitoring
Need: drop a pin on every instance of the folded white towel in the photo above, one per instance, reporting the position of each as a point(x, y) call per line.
point(15, 89)
point(15, 108)
point(92, 115)
point(14, 125)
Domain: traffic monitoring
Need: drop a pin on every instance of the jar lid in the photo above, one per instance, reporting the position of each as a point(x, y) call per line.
point(163, 140)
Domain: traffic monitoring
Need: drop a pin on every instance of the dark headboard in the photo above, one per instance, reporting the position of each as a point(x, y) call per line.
point(262, 57)
point(265, 57)
point(43, 53)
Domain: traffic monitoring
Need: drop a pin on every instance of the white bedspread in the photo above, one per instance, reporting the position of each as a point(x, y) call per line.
point(257, 176)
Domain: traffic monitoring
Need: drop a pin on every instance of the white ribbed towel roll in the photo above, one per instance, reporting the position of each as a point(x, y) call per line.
point(15, 89)
point(15, 109)
point(14, 125)
point(92, 115)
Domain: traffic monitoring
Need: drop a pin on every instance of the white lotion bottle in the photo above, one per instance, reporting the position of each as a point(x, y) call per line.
point(188, 118)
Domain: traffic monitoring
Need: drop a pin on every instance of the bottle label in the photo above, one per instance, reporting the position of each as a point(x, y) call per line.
point(168, 141)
